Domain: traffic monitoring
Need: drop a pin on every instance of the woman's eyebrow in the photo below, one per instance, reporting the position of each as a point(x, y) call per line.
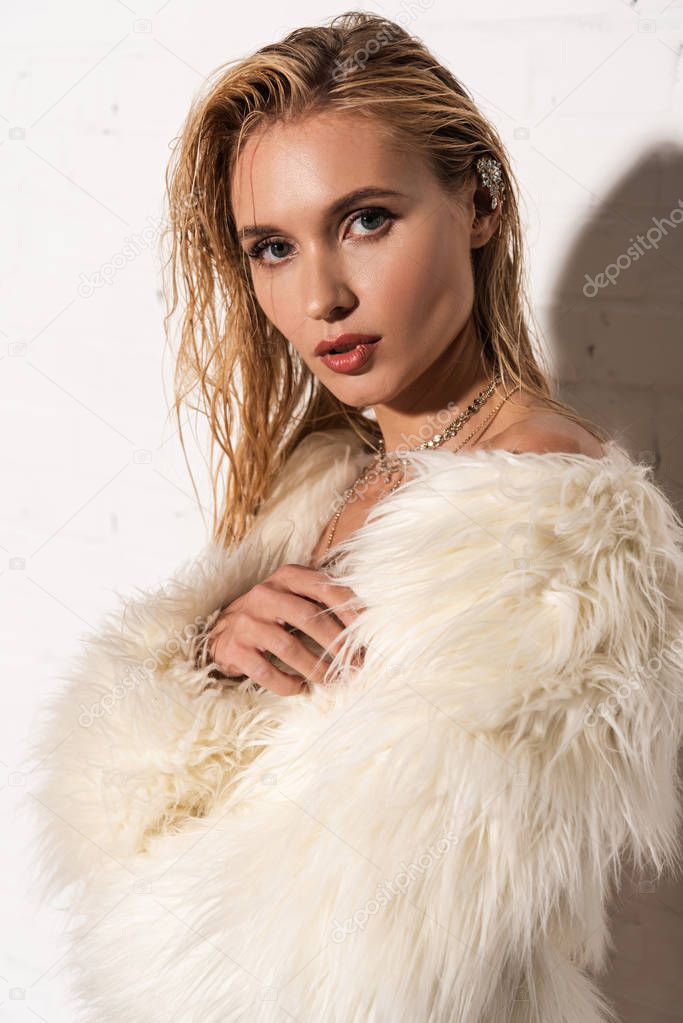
point(358, 195)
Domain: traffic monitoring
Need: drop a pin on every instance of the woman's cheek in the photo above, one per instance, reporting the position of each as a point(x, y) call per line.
point(275, 303)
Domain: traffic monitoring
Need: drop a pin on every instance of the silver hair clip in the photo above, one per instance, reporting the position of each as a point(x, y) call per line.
point(491, 173)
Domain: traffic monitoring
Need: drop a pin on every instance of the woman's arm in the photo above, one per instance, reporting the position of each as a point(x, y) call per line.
point(146, 733)
point(542, 696)
point(139, 739)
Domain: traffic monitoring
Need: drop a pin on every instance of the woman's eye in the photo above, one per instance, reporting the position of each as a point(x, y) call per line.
point(256, 252)
point(371, 213)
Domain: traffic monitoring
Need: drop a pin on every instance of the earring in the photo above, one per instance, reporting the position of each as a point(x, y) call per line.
point(491, 173)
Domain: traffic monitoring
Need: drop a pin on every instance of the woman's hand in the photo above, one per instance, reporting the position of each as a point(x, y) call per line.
point(254, 624)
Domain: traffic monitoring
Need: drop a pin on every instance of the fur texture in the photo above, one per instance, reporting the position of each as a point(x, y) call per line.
point(434, 835)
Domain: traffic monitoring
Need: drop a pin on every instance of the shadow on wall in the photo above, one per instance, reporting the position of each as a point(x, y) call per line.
point(615, 315)
point(615, 322)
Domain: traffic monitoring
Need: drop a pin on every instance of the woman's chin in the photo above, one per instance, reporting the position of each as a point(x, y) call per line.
point(363, 393)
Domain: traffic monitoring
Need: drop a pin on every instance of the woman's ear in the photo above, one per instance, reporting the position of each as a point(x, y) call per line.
point(483, 219)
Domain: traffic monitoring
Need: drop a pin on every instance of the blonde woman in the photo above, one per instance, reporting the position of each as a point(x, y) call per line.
point(379, 751)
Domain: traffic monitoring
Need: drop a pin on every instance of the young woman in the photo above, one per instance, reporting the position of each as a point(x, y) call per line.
point(379, 751)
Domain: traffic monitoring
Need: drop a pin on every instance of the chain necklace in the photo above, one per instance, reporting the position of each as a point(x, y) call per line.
point(389, 464)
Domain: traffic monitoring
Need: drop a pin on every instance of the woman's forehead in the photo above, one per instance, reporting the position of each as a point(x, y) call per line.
point(315, 164)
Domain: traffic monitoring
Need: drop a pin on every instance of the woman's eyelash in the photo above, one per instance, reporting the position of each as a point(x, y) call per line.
point(256, 251)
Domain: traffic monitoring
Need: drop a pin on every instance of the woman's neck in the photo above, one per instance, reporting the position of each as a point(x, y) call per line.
point(437, 396)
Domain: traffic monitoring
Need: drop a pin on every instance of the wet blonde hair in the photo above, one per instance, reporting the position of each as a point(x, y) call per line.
point(259, 397)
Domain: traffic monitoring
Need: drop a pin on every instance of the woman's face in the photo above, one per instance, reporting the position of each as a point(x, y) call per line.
point(395, 265)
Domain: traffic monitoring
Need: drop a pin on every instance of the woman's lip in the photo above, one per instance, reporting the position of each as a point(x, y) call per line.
point(344, 340)
point(347, 362)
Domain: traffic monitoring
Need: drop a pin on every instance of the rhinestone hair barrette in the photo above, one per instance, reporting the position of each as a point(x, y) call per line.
point(491, 173)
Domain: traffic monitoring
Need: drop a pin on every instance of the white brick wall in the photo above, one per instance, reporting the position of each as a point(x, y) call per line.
point(588, 98)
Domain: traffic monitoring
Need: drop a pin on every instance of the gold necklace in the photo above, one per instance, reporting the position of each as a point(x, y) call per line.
point(389, 465)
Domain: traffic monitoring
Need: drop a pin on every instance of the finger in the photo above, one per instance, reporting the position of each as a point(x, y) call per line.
point(258, 668)
point(338, 597)
point(293, 652)
point(313, 618)
point(249, 633)
point(319, 586)
point(273, 599)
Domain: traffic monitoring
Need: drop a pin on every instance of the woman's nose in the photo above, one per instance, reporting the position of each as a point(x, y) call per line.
point(325, 288)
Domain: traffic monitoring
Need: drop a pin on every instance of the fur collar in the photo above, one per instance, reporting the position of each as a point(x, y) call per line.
point(434, 835)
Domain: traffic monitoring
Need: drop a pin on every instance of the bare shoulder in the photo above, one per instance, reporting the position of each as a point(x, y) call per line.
point(544, 431)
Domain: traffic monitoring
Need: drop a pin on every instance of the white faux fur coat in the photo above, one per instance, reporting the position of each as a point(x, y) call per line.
point(433, 837)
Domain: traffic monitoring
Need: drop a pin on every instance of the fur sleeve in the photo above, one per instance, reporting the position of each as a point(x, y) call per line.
point(139, 738)
point(550, 658)
point(135, 741)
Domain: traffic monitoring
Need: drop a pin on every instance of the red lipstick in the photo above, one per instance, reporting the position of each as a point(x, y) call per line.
point(348, 351)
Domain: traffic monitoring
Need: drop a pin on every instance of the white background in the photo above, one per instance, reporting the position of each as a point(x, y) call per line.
point(588, 99)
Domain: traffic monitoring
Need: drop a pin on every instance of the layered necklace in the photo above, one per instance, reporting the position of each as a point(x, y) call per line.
point(388, 464)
